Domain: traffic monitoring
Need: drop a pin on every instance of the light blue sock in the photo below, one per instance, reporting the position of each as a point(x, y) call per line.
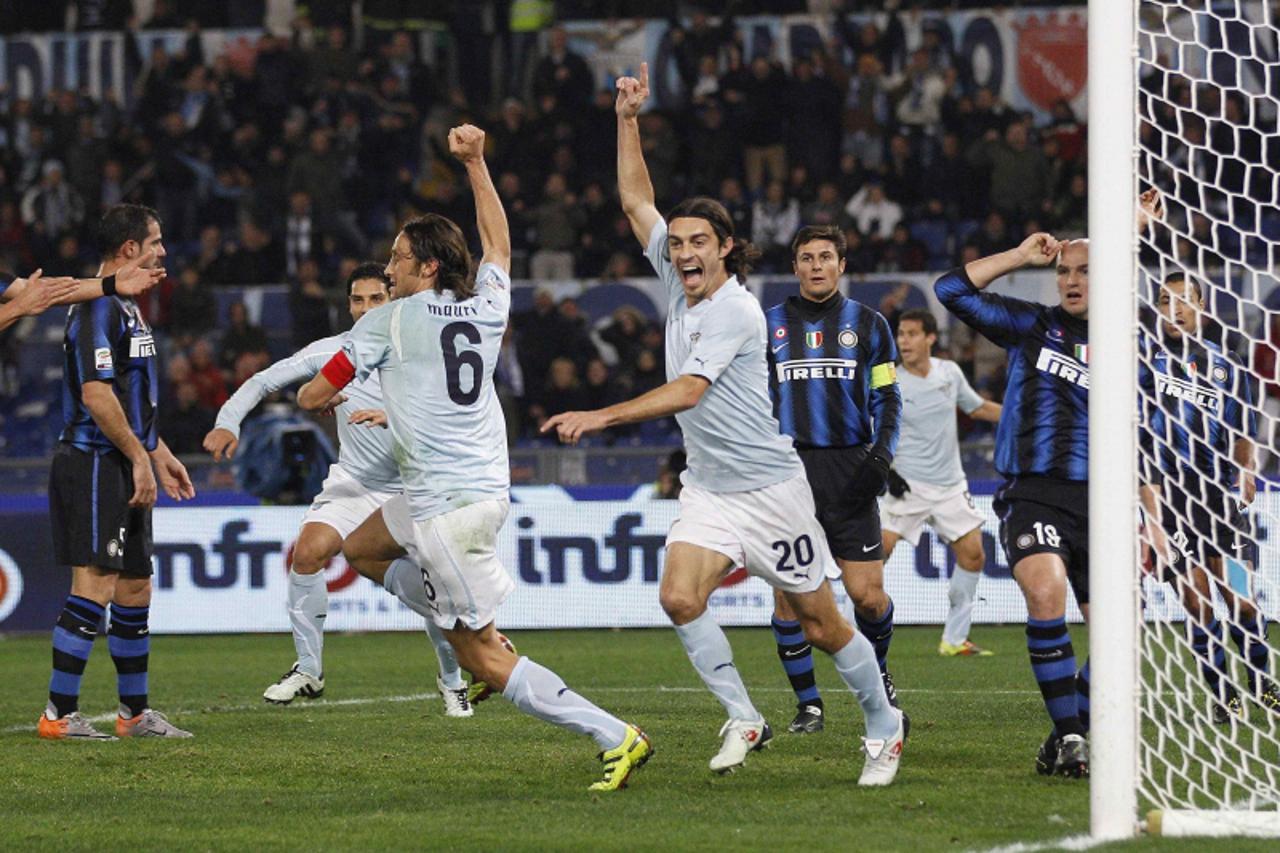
point(404, 580)
point(709, 652)
point(541, 693)
point(308, 602)
point(856, 664)
point(450, 672)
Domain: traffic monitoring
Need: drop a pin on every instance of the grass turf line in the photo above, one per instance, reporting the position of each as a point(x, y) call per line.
point(356, 771)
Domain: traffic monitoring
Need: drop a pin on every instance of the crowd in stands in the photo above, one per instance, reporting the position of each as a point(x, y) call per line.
point(293, 161)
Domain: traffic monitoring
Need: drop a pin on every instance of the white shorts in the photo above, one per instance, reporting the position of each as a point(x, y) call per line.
point(344, 502)
point(458, 554)
point(948, 510)
point(772, 532)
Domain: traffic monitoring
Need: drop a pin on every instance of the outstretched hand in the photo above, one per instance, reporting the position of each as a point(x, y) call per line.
point(137, 276)
point(632, 93)
point(466, 142)
point(571, 427)
point(35, 293)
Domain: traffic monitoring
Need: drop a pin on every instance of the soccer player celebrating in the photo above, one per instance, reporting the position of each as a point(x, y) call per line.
point(1042, 450)
point(435, 348)
point(927, 485)
point(102, 487)
point(832, 376)
point(363, 479)
point(1198, 450)
point(745, 500)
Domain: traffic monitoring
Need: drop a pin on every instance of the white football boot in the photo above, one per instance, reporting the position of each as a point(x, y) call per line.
point(456, 702)
point(882, 755)
point(293, 684)
point(740, 738)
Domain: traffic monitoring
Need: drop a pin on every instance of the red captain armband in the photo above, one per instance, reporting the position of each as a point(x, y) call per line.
point(339, 370)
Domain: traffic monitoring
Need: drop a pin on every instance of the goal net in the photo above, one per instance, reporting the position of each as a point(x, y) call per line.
point(1208, 331)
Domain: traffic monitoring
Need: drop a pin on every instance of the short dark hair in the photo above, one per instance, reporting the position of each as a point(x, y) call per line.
point(122, 223)
point(368, 269)
point(1179, 275)
point(433, 237)
point(743, 254)
point(924, 316)
point(809, 233)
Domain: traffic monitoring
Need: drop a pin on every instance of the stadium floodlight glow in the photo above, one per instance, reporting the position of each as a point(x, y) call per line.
point(1186, 717)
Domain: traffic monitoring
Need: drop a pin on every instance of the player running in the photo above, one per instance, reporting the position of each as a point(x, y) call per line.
point(1042, 451)
point(745, 500)
point(927, 484)
point(435, 348)
point(835, 392)
point(1198, 453)
point(102, 486)
point(363, 479)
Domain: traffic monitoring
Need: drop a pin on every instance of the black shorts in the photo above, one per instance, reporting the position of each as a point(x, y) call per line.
point(1203, 525)
point(1045, 515)
point(93, 524)
point(852, 524)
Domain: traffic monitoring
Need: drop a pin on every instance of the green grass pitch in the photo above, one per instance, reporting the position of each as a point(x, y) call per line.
point(374, 765)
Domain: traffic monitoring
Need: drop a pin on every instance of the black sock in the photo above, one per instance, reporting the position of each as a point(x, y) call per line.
point(797, 659)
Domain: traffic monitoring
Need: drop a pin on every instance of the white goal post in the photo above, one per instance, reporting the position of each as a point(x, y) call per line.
point(1113, 544)
point(1184, 98)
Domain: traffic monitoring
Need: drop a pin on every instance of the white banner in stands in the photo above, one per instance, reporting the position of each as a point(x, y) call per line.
point(577, 564)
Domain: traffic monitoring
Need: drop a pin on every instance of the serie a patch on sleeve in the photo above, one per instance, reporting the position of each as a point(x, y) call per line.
point(884, 374)
point(102, 358)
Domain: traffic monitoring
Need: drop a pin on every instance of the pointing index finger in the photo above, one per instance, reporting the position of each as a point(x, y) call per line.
point(644, 77)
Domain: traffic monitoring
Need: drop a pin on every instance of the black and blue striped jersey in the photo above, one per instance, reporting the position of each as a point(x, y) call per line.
point(1196, 403)
point(108, 340)
point(1044, 429)
point(832, 374)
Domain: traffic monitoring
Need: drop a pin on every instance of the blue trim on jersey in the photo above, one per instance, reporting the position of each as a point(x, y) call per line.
point(848, 411)
point(98, 346)
point(816, 397)
point(827, 399)
point(94, 503)
point(1044, 429)
point(784, 398)
point(1191, 423)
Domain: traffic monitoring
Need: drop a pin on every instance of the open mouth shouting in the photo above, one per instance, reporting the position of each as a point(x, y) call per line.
point(691, 275)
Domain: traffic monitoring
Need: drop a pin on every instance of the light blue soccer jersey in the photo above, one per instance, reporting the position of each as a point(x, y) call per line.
point(731, 437)
point(928, 443)
point(436, 357)
point(364, 452)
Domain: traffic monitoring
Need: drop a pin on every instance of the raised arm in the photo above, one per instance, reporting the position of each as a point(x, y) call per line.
point(1001, 318)
point(634, 187)
point(466, 142)
point(1038, 250)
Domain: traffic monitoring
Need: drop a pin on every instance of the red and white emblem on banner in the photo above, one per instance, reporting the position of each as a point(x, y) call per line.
point(1052, 57)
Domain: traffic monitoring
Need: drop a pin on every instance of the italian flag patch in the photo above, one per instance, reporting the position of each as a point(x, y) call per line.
point(1082, 353)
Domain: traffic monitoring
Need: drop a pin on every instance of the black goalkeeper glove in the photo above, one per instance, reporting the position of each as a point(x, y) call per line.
point(897, 486)
point(872, 475)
